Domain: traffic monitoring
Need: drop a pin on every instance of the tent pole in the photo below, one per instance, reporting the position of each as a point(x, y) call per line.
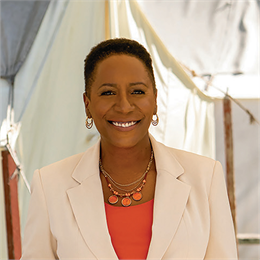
point(230, 159)
point(107, 22)
point(10, 180)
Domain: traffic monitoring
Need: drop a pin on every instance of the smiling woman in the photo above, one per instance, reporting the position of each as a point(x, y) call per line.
point(128, 196)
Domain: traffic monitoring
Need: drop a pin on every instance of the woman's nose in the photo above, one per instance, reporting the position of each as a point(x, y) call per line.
point(124, 103)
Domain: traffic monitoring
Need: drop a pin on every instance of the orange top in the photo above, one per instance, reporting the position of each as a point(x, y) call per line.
point(130, 229)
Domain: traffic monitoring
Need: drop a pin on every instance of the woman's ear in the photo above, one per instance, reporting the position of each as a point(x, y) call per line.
point(86, 103)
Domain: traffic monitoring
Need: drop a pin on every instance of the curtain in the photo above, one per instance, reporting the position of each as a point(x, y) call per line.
point(20, 21)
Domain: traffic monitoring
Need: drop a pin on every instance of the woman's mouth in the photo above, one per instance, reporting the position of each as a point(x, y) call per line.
point(124, 124)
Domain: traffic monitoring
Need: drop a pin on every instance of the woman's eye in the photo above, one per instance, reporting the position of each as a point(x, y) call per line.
point(107, 93)
point(138, 91)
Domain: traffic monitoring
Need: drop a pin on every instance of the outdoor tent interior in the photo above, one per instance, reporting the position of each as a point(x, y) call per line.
point(202, 50)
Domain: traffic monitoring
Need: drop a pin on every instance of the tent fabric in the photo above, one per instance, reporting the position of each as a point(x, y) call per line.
point(27, 78)
point(186, 114)
point(210, 37)
point(4, 100)
point(242, 86)
point(20, 21)
point(21, 91)
point(218, 38)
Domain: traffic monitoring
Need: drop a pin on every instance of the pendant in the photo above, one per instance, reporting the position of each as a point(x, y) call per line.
point(113, 199)
point(137, 196)
point(126, 201)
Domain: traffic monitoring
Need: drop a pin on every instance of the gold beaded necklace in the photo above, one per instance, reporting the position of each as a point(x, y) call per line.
point(135, 192)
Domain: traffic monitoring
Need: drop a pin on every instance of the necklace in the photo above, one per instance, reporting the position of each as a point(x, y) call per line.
point(135, 192)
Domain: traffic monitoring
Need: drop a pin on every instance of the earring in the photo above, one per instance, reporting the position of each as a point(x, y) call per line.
point(156, 120)
point(89, 122)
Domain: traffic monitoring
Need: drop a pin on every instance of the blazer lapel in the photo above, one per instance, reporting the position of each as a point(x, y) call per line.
point(88, 205)
point(171, 196)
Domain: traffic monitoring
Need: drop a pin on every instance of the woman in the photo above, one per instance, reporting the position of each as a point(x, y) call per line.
point(128, 196)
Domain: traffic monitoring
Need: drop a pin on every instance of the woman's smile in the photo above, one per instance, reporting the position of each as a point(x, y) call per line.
point(124, 124)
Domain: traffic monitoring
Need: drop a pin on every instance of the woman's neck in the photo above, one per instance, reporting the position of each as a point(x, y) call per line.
point(128, 163)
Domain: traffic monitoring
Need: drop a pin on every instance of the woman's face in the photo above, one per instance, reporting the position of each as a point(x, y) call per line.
point(122, 101)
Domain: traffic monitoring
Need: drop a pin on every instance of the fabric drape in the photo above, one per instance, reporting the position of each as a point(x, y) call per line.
point(208, 36)
point(20, 21)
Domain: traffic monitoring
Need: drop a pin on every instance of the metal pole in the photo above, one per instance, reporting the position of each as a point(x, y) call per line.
point(230, 159)
point(10, 180)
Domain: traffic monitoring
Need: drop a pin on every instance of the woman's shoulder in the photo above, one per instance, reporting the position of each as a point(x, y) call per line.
point(194, 169)
point(184, 156)
point(63, 164)
point(65, 167)
point(60, 170)
point(185, 165)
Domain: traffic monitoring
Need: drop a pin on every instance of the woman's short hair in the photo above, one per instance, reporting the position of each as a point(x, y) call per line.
point(115, 46)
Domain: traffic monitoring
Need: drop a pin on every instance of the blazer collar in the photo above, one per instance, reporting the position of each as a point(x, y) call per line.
point(87, 202)
point(88, 165)
point(165, 160)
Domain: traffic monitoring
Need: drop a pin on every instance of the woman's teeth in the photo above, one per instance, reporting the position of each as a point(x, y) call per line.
point(126, 124)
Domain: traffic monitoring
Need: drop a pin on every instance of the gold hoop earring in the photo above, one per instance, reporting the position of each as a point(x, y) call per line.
point(156, 120)
point(89, 122)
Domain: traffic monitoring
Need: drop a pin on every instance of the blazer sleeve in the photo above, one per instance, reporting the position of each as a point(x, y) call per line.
point(222, 241)
point(38, 242)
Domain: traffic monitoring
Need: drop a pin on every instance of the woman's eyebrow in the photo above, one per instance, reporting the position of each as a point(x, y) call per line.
point(138, 83)
point(115, 85)
point(107, 85)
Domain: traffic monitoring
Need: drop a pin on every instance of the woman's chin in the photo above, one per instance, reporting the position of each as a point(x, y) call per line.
point(126, 141)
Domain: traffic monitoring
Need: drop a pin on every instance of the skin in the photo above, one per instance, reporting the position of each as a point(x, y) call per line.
point(122, 103)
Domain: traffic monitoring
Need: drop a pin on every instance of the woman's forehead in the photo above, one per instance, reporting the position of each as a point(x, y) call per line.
point(117, 66)
point(119, 60)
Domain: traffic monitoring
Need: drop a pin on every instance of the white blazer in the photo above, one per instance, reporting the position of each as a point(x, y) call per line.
point(192, 219)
